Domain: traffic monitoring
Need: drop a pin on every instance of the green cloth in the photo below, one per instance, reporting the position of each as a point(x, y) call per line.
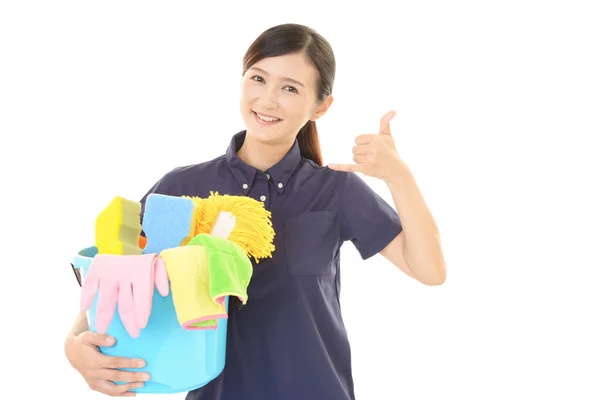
point(229, 269)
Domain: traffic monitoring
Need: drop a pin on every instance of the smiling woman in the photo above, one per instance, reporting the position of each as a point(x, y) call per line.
point(289, 340)
point(287, 85)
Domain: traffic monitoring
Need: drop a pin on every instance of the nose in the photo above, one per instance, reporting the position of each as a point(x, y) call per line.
point(268, 99)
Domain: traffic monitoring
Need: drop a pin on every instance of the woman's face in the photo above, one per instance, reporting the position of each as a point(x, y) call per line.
point(278, 97)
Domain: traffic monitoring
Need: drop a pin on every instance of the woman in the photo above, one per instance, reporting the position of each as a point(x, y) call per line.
point(289, 341)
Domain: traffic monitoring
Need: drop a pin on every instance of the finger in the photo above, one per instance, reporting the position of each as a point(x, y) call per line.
point(119, 362)
point(359, 158)
point(384, 124)
point(361, 149)
point(127, 311)
point(107, 304)
point(161, 278)
point(364, 138)
point(89, 289)
point(112, 389)
point(121, 377)
point(345, 167)
point(143, 289)
point(96, 339)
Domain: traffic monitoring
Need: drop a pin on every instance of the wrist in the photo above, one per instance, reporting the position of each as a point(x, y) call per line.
point(399, 175)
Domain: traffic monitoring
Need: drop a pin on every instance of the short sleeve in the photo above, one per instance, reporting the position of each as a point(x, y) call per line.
point(366, 219)
point(167, 185)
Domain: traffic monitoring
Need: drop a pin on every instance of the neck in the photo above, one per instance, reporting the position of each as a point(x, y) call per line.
point(262, 156)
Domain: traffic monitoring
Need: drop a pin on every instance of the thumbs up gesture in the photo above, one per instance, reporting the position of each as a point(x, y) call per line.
point(375, 154)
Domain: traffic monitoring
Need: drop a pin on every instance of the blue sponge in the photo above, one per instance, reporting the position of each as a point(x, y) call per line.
point(169, 221)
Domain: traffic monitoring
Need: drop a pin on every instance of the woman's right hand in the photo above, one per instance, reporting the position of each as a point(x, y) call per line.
point(99, 370)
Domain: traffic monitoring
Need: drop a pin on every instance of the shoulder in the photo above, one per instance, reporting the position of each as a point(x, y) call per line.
point(183, 172)
point(204, 166)
point(178, 178)
point(341, 181)
point(309, 170)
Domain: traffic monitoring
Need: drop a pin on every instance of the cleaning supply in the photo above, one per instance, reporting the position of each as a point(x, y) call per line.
point(202, 275)
point(118, 227)
point(169, 221)
point(126, 281)
point(171, 352)
point(187, 269)
point(253, 230)
point(229, 268)
point(142, 242)
point(223, 225)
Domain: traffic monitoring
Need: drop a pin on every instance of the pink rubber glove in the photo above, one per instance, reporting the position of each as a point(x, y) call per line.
point(127, 281)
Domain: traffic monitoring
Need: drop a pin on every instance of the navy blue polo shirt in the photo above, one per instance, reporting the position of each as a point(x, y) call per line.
point(289, 341)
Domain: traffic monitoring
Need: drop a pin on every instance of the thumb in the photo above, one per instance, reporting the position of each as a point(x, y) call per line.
point(384, 124)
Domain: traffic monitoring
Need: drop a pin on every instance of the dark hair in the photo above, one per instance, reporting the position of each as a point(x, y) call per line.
point(294, 38)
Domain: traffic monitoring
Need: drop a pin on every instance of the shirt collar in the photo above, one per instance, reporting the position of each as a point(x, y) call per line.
point(280, 173)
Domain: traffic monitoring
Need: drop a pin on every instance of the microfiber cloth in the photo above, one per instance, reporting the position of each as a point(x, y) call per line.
point(127, 281)
point(187, 269)
point(229, 268)
point(202, 273)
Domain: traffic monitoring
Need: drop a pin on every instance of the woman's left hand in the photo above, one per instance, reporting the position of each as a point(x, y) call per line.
point(375, 154)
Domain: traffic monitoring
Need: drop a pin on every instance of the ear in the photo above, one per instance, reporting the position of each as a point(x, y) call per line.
point(322, 108)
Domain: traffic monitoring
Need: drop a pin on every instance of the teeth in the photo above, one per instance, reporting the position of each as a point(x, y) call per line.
point(268, 119)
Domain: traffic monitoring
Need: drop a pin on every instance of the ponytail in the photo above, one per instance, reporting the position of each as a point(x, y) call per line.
point(308, 140)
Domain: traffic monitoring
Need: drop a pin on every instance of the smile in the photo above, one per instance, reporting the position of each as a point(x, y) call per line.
point(265, 119)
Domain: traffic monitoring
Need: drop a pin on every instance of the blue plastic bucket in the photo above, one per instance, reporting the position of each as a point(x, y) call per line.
point(177, 360)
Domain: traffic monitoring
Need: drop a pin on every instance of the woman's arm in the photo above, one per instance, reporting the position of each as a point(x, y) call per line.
point(416, 250)
point(80, 326)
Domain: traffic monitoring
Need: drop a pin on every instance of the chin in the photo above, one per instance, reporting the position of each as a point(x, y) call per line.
point(263, 135)
point(264, 131)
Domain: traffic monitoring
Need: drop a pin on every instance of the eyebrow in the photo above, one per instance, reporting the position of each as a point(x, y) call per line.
point(287, 79)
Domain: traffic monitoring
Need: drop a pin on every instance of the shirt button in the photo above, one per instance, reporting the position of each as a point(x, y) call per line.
point(280, 185)
point(263, 198)
point(268, 176)
point(245, 186)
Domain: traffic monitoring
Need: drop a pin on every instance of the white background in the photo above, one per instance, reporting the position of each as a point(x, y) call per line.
point(498, 118)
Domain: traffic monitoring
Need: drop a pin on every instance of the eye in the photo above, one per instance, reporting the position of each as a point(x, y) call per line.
point(291, 89)
point(257, 78)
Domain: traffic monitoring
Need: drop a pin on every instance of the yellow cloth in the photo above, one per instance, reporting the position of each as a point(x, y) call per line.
point(187, 269)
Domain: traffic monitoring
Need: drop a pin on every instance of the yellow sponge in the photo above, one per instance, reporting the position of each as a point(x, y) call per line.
point(118, 227)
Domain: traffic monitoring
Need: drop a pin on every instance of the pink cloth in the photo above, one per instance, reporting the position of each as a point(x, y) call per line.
point(127, 281)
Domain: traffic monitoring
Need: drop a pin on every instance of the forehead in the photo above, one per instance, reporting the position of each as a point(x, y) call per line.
point(290, 66)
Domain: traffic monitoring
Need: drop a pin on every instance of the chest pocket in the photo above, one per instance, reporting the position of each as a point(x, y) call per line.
point(311, 241)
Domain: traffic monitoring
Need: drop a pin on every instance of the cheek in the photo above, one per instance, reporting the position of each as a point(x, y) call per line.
point(250, 92)
point(294, 106)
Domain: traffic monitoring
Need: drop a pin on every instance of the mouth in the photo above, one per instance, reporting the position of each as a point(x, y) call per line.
point(266, 119)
